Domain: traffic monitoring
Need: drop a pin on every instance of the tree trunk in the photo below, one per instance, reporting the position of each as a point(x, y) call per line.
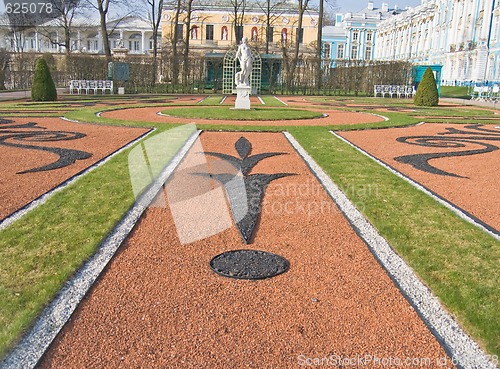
point(103, 11)
point(185, 71)
point(319, 71)
point(175, 58)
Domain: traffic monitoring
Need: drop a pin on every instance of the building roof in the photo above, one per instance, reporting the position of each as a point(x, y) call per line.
point(372, 12)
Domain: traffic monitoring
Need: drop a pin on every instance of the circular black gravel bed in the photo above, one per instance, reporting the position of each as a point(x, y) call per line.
point(249, 264)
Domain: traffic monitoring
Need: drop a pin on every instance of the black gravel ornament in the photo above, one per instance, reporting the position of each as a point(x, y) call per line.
point(249, 264)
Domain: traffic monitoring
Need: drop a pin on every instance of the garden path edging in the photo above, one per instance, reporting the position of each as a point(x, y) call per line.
point(52, 319)
point(465, 352)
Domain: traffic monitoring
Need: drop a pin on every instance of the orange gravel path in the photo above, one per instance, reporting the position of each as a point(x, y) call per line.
point(474, 193)
point(17, 190)
point(335, 117)
point(158, 304)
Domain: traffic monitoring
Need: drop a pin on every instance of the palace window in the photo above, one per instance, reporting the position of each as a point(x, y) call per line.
point(270, 32)
point(354, 52)
point(340, 51)
point(355, 36)
point(180, 30)
point(368, 53)
point(369, 36)
point(239, 33)
point(326, 50)
point(300, 35)
point(209, 32)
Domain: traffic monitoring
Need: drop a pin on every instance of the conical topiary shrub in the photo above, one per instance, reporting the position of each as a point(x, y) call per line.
point(427, 92)
point(43, 88)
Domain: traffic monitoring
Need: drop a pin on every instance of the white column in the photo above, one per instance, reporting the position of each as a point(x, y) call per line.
point(143, 40)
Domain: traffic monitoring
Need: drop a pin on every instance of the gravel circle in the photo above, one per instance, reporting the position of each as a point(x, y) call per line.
point(249, 264)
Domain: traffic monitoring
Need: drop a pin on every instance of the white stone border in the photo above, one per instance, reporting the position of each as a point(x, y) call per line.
point(261, 101)
point(47, 195)
point(462, 349)
point(380, 116)
point(34, 344)
point(281, 101)
point(459, 212)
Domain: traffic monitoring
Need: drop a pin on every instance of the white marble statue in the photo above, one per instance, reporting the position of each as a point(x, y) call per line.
point(244, 55)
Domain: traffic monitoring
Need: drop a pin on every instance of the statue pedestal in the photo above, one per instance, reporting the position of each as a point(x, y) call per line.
point(243, 97)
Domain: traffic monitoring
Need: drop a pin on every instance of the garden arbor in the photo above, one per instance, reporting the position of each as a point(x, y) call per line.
point(231, 67)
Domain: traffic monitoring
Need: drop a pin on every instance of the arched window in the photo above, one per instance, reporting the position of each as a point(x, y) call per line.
point(194, 33)
point(224, 34)
point(255, 34)
point(284, 35)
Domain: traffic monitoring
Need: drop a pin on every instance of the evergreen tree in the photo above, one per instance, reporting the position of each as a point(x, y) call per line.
point(427, 92)
point(43, 88)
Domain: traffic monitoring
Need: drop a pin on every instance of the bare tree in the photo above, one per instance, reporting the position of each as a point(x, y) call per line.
point(103, 6)
point(154, 10)
point(4, 64)
point(66, 12)
point(238, 15)
point(272, 10)
point(302, 7)
point(319, 55)
point(174, 39)
point(187, 21)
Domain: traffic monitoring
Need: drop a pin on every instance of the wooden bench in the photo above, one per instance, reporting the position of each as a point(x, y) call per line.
point(394, 90)
point(86, 86)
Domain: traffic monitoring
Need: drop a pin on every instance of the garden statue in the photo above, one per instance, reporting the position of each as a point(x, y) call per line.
point(244, 55)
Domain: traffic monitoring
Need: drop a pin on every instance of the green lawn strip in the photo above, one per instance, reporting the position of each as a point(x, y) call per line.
point(455, 259)
point(43, 249)
point(459, 92)
point(447, 112)
point(89, 115)
point(271, 101)
point(256, 113)
point(211, 100)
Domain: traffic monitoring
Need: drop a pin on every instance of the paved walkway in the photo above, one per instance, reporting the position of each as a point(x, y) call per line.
point(485, 104)
point(26, 94)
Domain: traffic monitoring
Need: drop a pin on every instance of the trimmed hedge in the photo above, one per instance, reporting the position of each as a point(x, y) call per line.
point(43, 88)
point(427, 92)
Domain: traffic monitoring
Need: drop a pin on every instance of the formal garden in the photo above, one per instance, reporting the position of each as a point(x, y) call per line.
point(423, 176)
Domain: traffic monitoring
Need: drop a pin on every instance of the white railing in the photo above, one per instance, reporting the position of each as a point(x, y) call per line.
point(394, 91)
point(86, 86)
point(485, 93)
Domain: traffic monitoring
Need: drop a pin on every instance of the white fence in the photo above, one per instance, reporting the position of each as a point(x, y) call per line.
point(84, 86)
point(394, 91)
point(485, 93)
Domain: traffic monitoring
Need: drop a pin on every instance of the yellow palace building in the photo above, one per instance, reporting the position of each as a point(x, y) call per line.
point(212, 24)
point(215, 28)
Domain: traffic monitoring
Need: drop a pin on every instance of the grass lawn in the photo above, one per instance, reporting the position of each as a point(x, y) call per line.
point(459, 92)
point(255, 113)
point(457, 261)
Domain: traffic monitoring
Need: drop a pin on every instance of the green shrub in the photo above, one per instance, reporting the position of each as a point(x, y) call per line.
point(427, 92)
point(43, 88)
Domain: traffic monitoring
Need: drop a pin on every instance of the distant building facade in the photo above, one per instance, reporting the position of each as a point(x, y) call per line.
point(354, 35)
point(212, 27)
point(132, 33)
point(461, 35)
